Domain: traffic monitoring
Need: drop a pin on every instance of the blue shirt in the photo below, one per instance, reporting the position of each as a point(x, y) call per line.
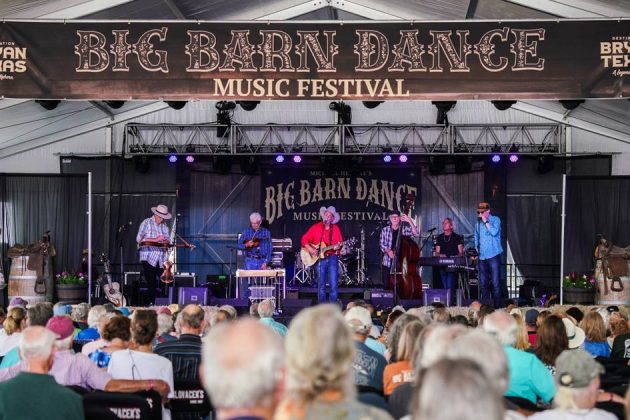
point(488, 238)
point(529, 378)
point(594, 348)
point(262, 251)
point(275, 325)
point(88, 334)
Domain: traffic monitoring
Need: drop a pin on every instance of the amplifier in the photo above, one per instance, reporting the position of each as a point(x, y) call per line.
point(185, 280)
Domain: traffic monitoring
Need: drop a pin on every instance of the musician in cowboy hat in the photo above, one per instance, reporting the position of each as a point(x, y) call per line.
point(153, 239)
point(323, 234)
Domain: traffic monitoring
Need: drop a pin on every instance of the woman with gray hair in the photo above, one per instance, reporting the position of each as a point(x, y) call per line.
point(320, 383)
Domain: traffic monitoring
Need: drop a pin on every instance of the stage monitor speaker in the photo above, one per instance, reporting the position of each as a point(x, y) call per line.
point(194, 295)
point(442, 296)
point(185, 280)
point(380, 298)
point(293, 306)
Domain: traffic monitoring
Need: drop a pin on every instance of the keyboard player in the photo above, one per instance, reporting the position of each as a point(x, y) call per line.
point(448, 244)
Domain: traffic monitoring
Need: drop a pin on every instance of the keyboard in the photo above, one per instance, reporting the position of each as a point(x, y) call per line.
point(442, 261)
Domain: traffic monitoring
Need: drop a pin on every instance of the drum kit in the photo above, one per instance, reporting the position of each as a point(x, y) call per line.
point(351, 265)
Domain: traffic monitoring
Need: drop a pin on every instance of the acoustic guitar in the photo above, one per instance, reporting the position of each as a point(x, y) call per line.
point(111, 288)
point(310, 260)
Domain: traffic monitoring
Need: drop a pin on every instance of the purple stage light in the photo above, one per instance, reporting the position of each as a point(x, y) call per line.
point(190, 159)
point(403, 158)
point(280, 158)
point(496, 158)
point(172, 158)
point(297, 159)
point(513, 158)
point(387, 158)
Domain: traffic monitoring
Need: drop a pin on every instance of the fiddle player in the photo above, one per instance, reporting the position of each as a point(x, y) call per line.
point(389, 238)
point(257, 243)
point(449, 244)
point(327, 268)
point(153, 243)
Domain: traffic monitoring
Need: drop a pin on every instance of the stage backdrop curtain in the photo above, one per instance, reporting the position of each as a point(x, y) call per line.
point(594, 207)
point(32, 205)
point(533, 231)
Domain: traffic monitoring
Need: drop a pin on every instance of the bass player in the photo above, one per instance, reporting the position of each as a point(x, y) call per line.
point(324, 234)
point(388, 240)
point(153, 243)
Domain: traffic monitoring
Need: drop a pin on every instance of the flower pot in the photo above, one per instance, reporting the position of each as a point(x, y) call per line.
point(578, 296)
point(72, 293)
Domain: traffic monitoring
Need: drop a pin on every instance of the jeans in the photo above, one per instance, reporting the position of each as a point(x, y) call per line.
point(250, 264)
point(489, 277)
point(328, 272)
point(449, 281)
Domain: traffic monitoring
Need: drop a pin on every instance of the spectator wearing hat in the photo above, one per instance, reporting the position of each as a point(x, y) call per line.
point(78, 370)
point(53, 401)
point(488, 243)
point(575, 334)
point(575, 313)
point(325, 234)
point(153, 241)
point(578, 383)
point(18, 301)
point(389, 239)
point(368, 365)
point(530, 323)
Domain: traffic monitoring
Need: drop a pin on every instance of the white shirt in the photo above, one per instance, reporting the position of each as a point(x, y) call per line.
point(583, 414)
point(8, 342)
point(131, 364)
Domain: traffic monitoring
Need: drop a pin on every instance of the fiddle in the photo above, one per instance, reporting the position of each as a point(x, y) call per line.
point(252, 243)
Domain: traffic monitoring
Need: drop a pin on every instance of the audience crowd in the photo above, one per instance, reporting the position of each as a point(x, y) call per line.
point(325, 363)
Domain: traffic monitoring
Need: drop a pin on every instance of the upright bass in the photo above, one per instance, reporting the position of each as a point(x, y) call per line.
point(404, 277)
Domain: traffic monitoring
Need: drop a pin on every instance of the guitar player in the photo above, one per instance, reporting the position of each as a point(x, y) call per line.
point(153, 241)
point(256, 241)
point(321, 234)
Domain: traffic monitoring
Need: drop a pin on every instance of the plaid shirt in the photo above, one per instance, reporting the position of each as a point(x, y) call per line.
point(262, 251)
point(386, 241)
point(149, 229)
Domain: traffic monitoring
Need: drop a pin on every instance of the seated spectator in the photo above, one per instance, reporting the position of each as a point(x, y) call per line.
point(574, 333)
point(14, 323)
point(578, 389)
point(117, 334)
point(375, 332)
point(368, 365)
point(165, 329)
point(91, 346)
point(17, 301)
point(253, 310)
point(389, 321)
point(220, 316)
point(529, 378)
point(265, 312)
point(621, 333)
point(94, 316)
point(79, 316)
point(530, 323)
point(185, 352)
point(230, 310)
point(522, 339)
point(595, 331)
point(51, 401)
point(320, 352)
point(401, 371)
point(575, 313)
point(36, 315)
point(441, 315)
point(470, 395)
point(551, 341)
point(484, 311)
point(61, 308)
point(242, 370)
point(460, 320)
point(393, 336)
point(141, 363)
point(618, 326)
point(78, 370)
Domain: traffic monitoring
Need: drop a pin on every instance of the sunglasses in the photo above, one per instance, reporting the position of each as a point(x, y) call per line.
point(481, 211)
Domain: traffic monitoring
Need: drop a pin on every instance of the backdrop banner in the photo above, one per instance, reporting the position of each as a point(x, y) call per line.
point(549, 59)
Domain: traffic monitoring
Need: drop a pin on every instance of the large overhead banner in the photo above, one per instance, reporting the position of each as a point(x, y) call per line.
point(307, 60)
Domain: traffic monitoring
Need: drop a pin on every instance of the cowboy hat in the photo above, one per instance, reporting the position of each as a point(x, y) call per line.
point(332, 211)
point(162, 211)
point(575, 334)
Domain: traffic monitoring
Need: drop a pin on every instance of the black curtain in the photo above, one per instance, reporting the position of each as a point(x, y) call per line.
point(594, 206)
point(534, 235)
point(34, 204)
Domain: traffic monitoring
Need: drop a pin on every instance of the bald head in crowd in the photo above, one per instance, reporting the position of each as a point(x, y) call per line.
point(243, 366)
point(192, 320)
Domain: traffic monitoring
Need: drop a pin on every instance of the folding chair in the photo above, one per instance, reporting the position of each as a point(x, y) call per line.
point(114, 405)
point(191, 401)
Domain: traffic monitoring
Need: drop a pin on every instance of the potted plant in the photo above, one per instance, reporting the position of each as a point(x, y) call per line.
point(71, 287)
point(579, 289)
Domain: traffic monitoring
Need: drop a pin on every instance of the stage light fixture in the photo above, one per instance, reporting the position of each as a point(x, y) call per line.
point(279, 158)
point(546, 163)
point(190, 159)
point(503, 105)
point(172, 158)
point(387, 158)
point(371, 104)
point(248, 105)
point(571, 104)
point(403, 158)
point(115, 104)
point(297, 159)
point(513, 153)
point(48, 105)
point(176, 105)
point(436, 164)
point(496, 157)
point(225, 105)
point(513, 158)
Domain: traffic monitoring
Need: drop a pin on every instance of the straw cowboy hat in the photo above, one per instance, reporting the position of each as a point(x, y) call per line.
point(162, 211)
point(332, 211)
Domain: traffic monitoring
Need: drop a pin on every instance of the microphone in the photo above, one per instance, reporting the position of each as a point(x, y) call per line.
point(432, 229)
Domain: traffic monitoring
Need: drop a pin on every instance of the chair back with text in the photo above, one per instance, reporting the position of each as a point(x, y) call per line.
point(191, 398)
point(116, 405)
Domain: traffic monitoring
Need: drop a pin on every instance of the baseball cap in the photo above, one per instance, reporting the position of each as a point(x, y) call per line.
point(394, 213)
point(359, 318)
point(577, 368)
point(575, 334)
point(62, 310)
point(61, 325)
point(483, 206)
point(18, 301)
point(530, 316)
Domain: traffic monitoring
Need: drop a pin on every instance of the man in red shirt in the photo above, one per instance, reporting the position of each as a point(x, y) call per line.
point(322, 235)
